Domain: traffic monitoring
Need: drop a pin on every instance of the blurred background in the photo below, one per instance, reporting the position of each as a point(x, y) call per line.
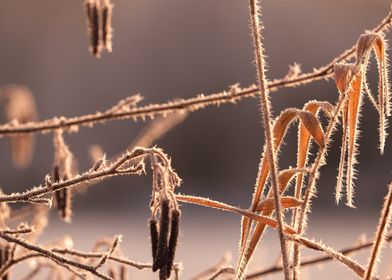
point(170, 49)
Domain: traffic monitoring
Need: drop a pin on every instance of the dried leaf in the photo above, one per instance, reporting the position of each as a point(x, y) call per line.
point(304, 138)
point(365, 45)
point(354, 105)
point(287, 202)
point(313, 126)
point(343, 73)
point(206, 202)
point(343, 153)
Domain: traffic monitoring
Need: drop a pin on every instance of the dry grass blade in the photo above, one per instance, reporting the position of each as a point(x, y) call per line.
point(365, 45)
point(304, 138)
point(380, 237)
point(349, 79)
point(206, 202)
point(343, 154)
point(354, 106)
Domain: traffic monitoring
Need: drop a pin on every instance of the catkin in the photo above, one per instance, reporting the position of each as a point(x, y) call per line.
point(92, 10)
point(107, 10)
point(171, 249)
point(160, 260)
point(154, 242)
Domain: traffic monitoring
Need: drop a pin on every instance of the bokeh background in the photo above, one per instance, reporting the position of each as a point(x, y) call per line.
point(176, 48)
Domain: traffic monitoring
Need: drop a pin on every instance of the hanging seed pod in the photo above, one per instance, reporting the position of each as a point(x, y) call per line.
point(107, 30)
point(171, 249)
point(160, 260)
point(92, 12)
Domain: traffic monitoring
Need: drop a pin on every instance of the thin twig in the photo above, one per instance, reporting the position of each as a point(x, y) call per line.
point(347, 251)
point(54, 257)
point(191, 104)
point(130, 263)
point(350, 263)
point(222, 271)
point(112, 169)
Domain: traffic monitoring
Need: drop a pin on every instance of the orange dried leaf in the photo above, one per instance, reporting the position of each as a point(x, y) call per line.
point(287, 202)
point(280, 127)
point(342, 163)
point(202, 201)
point(354, 105)
point(367, 43)
point(343, 73)
point(304, 138)
point(312, 124)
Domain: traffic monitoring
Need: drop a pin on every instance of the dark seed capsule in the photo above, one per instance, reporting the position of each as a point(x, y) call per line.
point(171, 249)
point(164, 223)
point(154, 242)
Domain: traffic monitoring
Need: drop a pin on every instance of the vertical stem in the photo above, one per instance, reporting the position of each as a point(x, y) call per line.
point(266, 115)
